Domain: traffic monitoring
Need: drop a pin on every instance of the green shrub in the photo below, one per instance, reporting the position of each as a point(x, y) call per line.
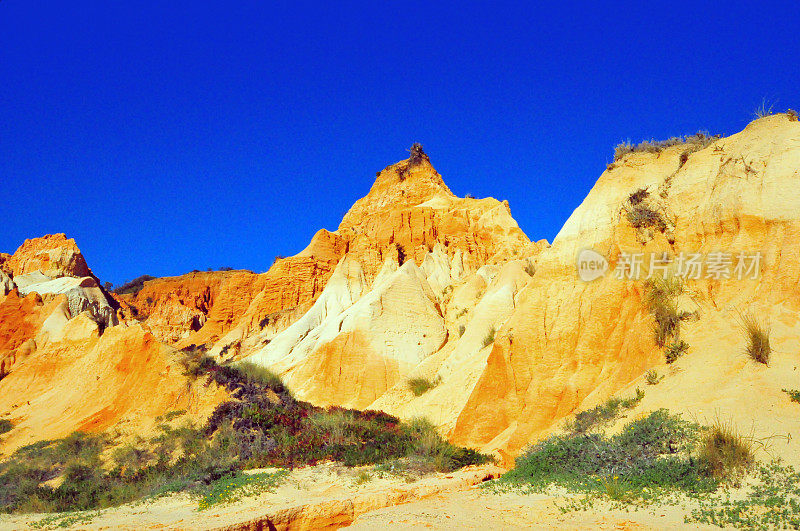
point(419, 385)
point(794, 394)
point(648, 453)
point(256, 374)
point(758, 347)
point(675, 350)
point(5, 426)
point(598, 416)
point(489, 339)
point(652, 377)
point(134, 286)
point(461, 330)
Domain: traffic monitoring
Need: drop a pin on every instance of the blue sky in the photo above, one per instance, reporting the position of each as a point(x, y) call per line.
point(169, 136)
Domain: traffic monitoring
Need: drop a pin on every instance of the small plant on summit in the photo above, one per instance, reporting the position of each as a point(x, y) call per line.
point(762, 110)
point(489, 339)
point(417, 154)
point(792, 115)
point(758, 347)
point(652, 377)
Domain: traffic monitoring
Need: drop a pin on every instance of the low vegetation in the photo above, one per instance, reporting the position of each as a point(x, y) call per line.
point(648, 460)
point(649, 454)
point(489, 339)
point(757, 333)
point(233, 488)
point(599, 416)
point(772, 501)
point(5, 426)
point(134, 286)
point(794, 395)
point(661, 299)
point(723, 452)
point(420, 385)
point(652, 377)
point(696, 142)
point(262, 426)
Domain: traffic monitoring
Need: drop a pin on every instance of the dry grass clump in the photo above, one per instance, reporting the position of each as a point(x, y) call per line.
point(758, 347)
point(762, 110)
point(696, 142)
point(791, 114)
point(661, 298)
point(724, 452)
point(489, 339)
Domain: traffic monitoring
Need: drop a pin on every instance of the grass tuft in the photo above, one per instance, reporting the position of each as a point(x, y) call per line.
point(489, 339)
point(695, 142)
point(419, 385)
point(758, 347)
point(5, 426)
point(724, 453)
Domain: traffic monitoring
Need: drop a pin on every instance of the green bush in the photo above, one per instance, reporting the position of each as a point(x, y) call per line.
point(652, 377)
point(598, 416)
point(794, 394)
point(419, 386)
point(675, 350)
point(648, 453)
point(5, 426)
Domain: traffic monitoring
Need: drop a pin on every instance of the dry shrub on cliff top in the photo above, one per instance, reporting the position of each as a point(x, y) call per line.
point(697, 141)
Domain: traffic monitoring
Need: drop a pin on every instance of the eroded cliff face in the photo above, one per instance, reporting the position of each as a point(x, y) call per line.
point(570, 344)
point(66, 362)
point(419, 283)
point(422, 278)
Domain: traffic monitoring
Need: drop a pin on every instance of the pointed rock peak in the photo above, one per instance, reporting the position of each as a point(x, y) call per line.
point(406, 183)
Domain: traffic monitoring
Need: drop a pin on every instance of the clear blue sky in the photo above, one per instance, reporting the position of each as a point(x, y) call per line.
point(167, 136)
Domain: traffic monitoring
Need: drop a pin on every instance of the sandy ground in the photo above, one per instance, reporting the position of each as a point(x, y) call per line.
point(478, 509)
point(330, 497)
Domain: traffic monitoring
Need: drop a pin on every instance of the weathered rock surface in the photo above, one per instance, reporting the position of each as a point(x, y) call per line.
point(570, 344)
